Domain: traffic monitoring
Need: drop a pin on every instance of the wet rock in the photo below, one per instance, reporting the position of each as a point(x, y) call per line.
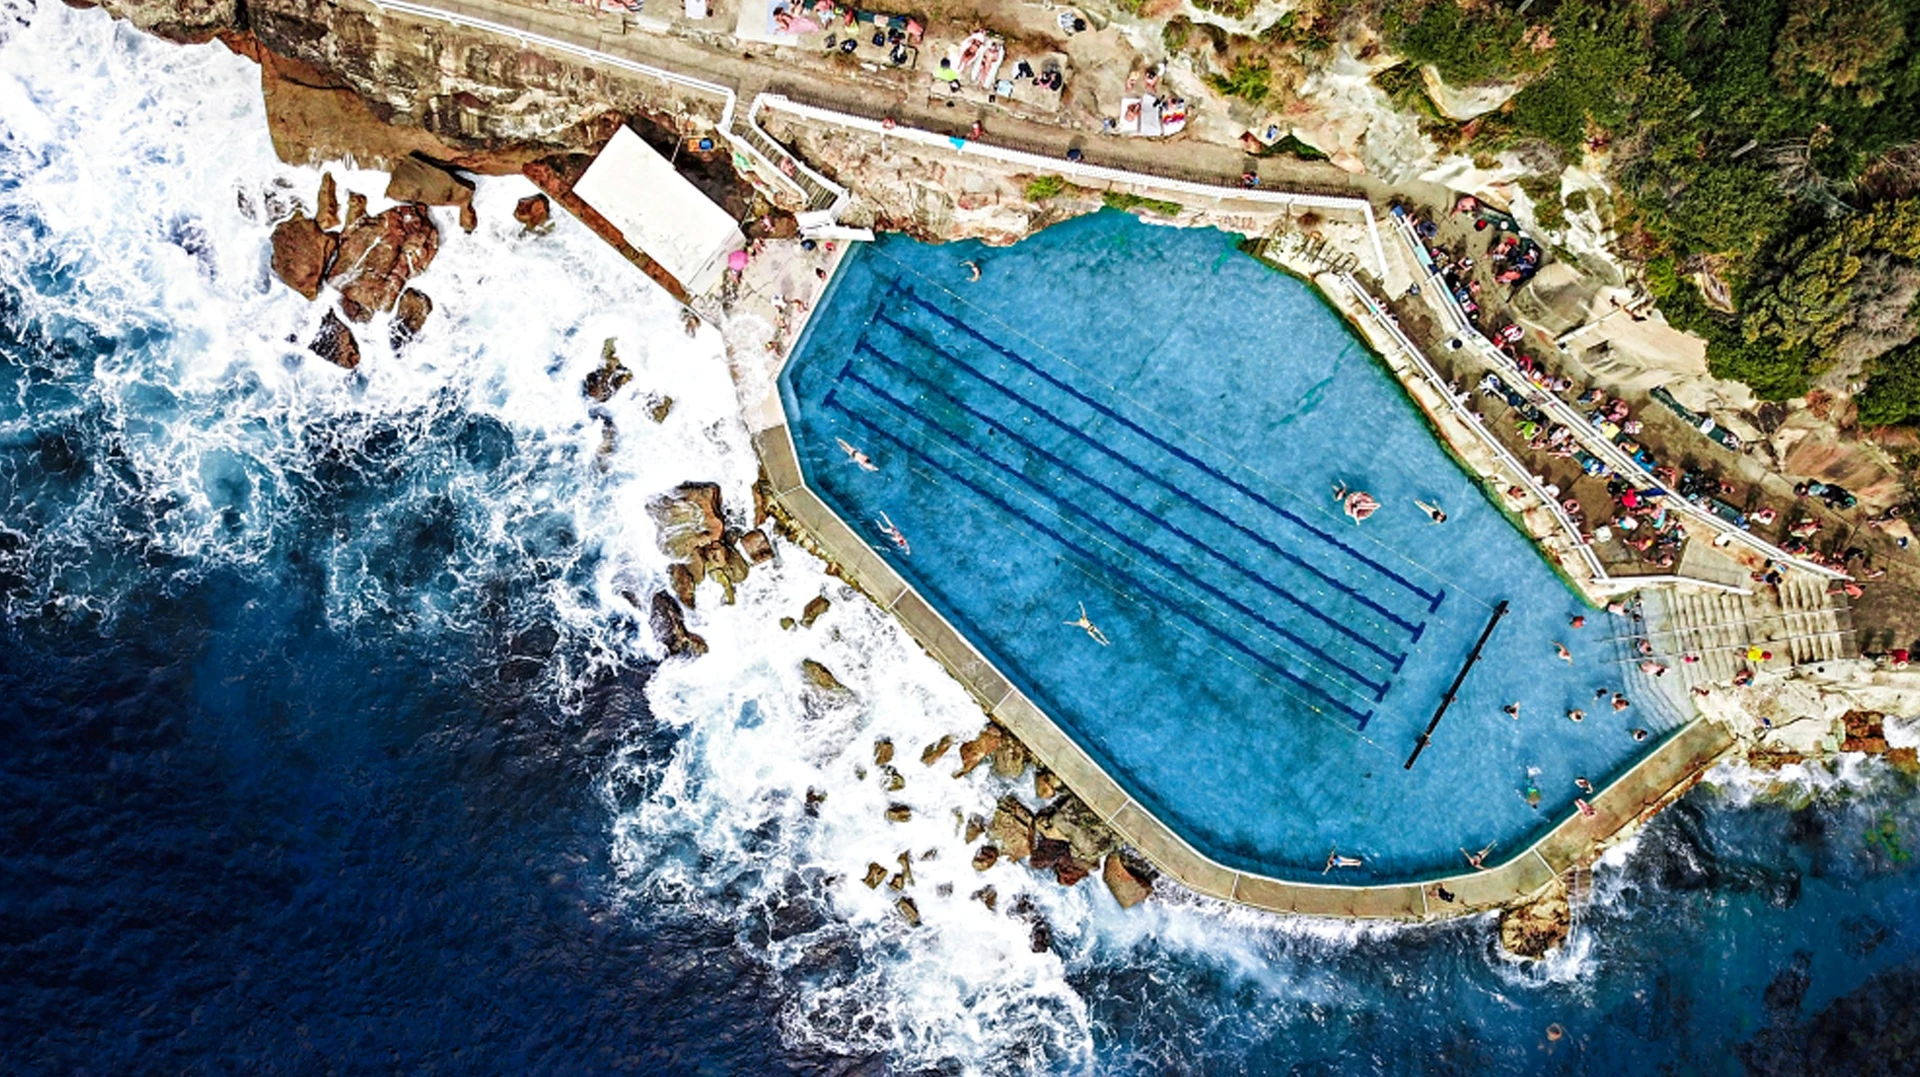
point(378, 255)
point(976, 826)
point(725, 564)
point(820, 676)
point(787, 624)
point(898, 813)
point(883, 751)
point(935, 750)
point(1537, 928)
point(1129, 888)
point(334, 343)
point(538, 641)
point(1012, 828)
point(1010, 759)
point(417, 180)
point(892, 780)
point(327, 211)
point(876, 875)
point(909, 911)
point(688, 518)
point(976, 751)
point(532, 211)
point(815, 798)
point(659, 409)
point(816, 606)
point(1048, 853)
point(1046, 785)
point(1069, 872)
point(1042, 938)
point(469, 218)
point(762, 498)
point(1069, 820)
point(670, 628)
point(985, 857)
point(897, 881)
point(988, 896)
point(356, 208)
point(681, 579)
point(905, 860)
point(302, 253)
point(607, 379)
point(409, 316)
point(757, 546)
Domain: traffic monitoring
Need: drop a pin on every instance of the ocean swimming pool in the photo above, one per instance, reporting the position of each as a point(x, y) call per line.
point(1145, 422)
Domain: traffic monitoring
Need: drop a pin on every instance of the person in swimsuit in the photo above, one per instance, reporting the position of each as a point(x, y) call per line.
point(856, 457)
point(1512, 710)
point(973, 269)
point(1092, 630)
point(1434, 512)
point(1562, 652)
point(1479, 859)
point(1335, 860)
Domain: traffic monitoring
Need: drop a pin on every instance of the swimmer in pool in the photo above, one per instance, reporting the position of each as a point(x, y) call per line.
point(1512, 710)
point(1562, 653)
point(1578, 621)
point(1092, 629)
point(973, 270)
point(856, 457)
point(1620, 702)
point(1433, 512)
point(1479, 859)
point(1583, 785)
point(1335, 860)
point(1577, 715)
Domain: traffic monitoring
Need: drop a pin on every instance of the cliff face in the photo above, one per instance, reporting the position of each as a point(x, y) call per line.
point(347, 80)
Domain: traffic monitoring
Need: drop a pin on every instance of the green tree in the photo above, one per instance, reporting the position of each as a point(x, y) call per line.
point(1838, 279)
point(1892, 395)
point(1841, 42)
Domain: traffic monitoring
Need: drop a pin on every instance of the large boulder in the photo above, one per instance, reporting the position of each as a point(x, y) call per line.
point(1069, 820)
point(409, 316)
point(417, 180)
point(1129, 886)
point(378, 255)
point(688, 518)
point(1012, 828)
point(606, 379)
point(532, 211)
point(327, 209)
point(1535, 929)
point(302, 253)
point(334, 343)
point(976, 751)
point(670, 628)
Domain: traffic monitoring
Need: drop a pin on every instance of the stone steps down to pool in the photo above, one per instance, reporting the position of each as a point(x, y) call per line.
point(1049, 443)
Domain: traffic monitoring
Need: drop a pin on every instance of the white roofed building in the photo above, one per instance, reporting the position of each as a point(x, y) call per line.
point(658, 212)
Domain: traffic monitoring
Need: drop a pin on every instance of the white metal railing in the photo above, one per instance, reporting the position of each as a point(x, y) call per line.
point(1614, 456)
point(1083, 170)
point(1524, 475)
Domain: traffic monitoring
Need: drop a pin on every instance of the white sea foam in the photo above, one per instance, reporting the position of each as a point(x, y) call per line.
point(145, 235)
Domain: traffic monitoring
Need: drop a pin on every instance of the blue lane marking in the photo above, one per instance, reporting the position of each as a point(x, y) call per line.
point(1379, 689)
point(1360, 718)
point(1015, 357)
point(1396, 661)
point(1415, 630)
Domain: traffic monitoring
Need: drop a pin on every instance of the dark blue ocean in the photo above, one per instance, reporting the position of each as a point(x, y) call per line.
point(330, 744)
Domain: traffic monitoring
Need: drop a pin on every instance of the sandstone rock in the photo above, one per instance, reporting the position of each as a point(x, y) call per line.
point(421, 181)
point(1068, 872)
point(762, 496)
point(302, 253)
point(1069, 820)
point(334, 343)
point(378, 255)
point(976, 751)
point(682, 580)
point(898, 813)
point(985, 857)
point(1045, 785)
point(409, 316)
point(882, 751)
point(1048, 853)
point(787, 624)
point(688, 518)
point(757, 546)
point(1012, 828)
point(1533, 930)
point(816, 606)
point(935, 750)
point(532, 211)
point(905, 860)
point(897, 881)
point(327, 211)
point(987, 896)
point(875, 876)
point(1010, 759)
point(976, 826)
point(1128, 888)
point(909, 911)
point(658, 412)
point(356, 208)
point(606, 380)
point(820, 676)
point(815, 798)
point(892, 780)
point(723, 561)
point(670, 628)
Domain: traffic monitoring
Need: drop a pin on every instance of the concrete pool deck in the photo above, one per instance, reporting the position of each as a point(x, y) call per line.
point(1641, 791)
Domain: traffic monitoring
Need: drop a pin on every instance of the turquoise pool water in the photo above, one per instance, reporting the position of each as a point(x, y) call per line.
point(1145, 421)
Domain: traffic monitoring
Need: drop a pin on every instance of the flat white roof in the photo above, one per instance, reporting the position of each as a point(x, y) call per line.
point(656, 210)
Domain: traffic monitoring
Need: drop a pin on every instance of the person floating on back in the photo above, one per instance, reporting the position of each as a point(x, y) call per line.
point(1479, 859)
point(1335, 860)
point(1434, 512)
point(1093, 630)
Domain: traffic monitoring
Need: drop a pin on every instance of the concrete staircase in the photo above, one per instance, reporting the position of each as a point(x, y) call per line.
point(1804, 620)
